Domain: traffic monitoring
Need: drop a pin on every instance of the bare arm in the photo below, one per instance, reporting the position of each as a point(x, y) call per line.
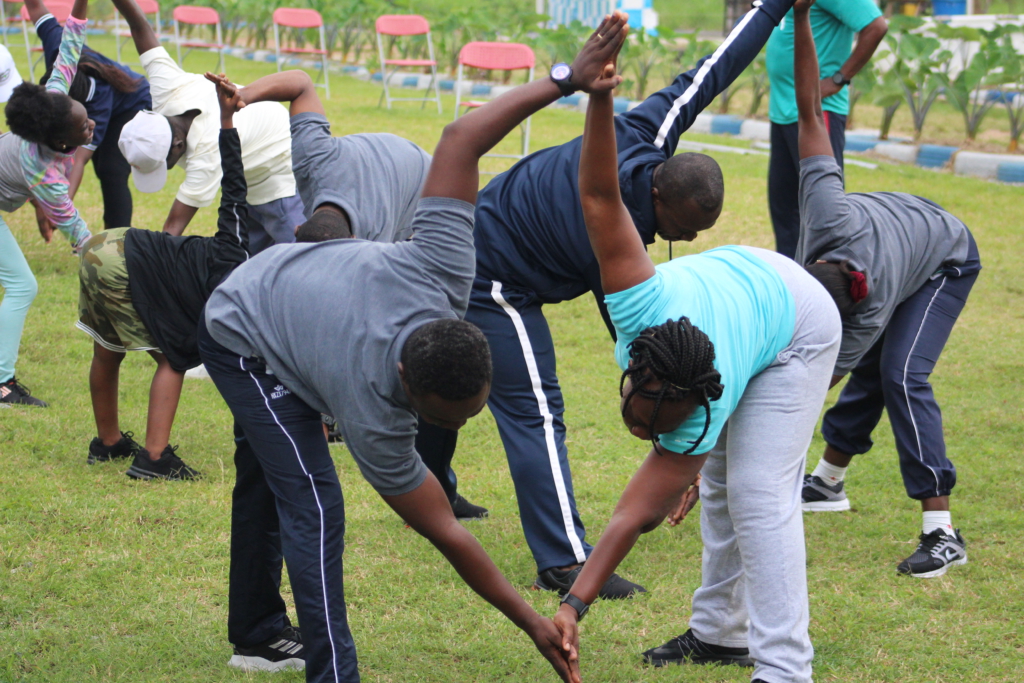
point(179, 217)
point(142, 33)
point(82, 156)
point(813, 135)
point(36, 9)
point(288, 86)
point(454, 171)
point(427, 510)
point(868, 40)
point(80, 10)
point(620, 251)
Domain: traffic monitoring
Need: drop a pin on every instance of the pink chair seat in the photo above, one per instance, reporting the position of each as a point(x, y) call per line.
point(472, 104)
point(199, 43)
point(502, 56)
point(410, 62)
point(293, 17)
point(189, 14)
point(303, 50)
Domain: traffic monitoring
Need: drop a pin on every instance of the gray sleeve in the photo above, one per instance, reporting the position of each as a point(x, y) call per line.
point(858, 338)
point(314, 152)
point(823, 203)
point(386, 457)
point(442, 244)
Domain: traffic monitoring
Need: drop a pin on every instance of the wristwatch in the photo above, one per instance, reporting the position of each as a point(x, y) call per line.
point(839, 79)
point(561, 74)
point(581, 607)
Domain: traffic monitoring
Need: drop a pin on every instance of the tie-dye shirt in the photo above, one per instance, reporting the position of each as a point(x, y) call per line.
point(46, 170)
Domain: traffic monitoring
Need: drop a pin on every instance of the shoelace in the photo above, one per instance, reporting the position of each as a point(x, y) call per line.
point(933, 543)
point(18, 386)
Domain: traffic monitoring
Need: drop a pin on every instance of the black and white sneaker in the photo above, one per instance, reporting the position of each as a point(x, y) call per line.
point(14, 393)
point(283, 652)
point(125, 448)
point(463, 509)
point(561, 580)
point(169, 466)
point(688, 649)
point(817, 496)
point(937, 552)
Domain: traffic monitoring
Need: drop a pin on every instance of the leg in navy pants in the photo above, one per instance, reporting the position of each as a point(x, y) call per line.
point(286, 436)
point(894, 376)
point(784, 178)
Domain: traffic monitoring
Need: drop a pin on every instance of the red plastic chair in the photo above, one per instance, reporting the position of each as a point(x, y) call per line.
point(8, 16)
point(401, 26)
point(500, 56)
point(61, 10)
point(122, 36)
point(197, 16)
point(302, 19)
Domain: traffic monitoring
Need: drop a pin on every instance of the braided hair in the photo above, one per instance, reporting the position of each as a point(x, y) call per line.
point(682, 357)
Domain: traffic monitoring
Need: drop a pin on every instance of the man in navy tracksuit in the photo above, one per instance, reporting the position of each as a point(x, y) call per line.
point(532, 249)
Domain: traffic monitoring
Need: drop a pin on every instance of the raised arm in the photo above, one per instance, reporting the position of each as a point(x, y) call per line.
point(142, 33)
point(455, 171)
point(813, 135)
point(233, 212)
point(295, 87)
point(71, 43)
point(620, 252)
point(36, 10)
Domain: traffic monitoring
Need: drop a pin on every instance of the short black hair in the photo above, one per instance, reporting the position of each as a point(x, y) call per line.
point(37, 115)
point(323, 226)
point(836, 278)
point(692, 175)
point(447, 357)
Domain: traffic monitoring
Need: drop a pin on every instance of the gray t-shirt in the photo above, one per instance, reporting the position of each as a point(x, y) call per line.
point(897, 240)
point(375, 177)
point(330, 320)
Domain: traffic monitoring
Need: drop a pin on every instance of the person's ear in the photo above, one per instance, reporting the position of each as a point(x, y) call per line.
point(655, 197)
point(401, 371)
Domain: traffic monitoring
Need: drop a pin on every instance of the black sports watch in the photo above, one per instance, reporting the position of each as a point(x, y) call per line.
point(561, 74)
point(581, 607)
point(839, 79)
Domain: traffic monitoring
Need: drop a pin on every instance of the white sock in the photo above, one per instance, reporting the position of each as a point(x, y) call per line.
point(937, 520)
point(829, 473)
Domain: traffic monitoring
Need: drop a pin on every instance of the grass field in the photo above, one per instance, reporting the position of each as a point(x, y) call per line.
point(106, 579)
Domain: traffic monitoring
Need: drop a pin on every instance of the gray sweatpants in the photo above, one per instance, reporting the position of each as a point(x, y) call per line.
point(754, 586)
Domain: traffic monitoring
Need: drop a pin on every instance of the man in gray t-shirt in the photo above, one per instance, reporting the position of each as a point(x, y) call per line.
point(900, 269)
point(367, 183)
point(371, 333)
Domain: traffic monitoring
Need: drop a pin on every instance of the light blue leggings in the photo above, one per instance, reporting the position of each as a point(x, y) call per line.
point(19, 290)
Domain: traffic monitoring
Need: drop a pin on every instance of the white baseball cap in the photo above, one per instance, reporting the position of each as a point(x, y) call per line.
point(145, 142)
point(9, 76)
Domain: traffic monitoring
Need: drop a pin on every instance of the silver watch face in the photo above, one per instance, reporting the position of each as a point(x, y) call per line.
point(560, 72)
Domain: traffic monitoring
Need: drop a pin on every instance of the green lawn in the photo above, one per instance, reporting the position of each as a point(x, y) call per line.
point(106, 579)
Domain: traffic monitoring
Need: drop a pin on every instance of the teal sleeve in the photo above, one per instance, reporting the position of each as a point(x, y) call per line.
point(854, 14)
point(637, 308)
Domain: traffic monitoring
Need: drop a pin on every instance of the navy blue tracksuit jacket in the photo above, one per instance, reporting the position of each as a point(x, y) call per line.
point(532, 249)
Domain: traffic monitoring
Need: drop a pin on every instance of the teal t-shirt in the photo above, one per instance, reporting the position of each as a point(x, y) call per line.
point(731, 295)
point(834, 24)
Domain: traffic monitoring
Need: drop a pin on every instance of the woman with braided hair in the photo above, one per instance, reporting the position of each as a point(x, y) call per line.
point(726, 359)
point(900, 268)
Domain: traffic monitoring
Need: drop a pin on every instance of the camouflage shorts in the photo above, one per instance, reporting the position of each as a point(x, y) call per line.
point(105, 305)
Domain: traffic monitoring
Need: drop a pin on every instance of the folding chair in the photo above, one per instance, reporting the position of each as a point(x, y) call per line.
point(61, 10)
point(197, 16)
point(301, 19)
point(8, 16)
point(502, 56)
point(123, 36)
point(404, 25)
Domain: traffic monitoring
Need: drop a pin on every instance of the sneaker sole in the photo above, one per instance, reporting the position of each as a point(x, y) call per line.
point(744, 662)
point(938, 572)
point(145, 475)
point(254, 664)
point(827, 506)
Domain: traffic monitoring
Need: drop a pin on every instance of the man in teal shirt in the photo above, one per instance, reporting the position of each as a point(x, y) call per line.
point(834, 24)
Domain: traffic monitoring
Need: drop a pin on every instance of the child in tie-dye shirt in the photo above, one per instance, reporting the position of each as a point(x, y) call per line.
point(35, 158)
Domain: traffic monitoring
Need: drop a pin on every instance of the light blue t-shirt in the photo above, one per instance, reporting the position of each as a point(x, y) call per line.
point(732, 296)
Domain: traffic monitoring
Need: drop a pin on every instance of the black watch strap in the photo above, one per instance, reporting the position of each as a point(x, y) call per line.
point(840, 79)
point(581, 607)
point(561, 74)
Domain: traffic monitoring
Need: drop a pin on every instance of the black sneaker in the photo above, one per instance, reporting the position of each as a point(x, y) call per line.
point(937, 552)
point(561, 580)
point(13, 392)
point(283, 652)
point(169, 466)
point(688, 649)
point(125, 448)
point(817, 496)
point(463, 509)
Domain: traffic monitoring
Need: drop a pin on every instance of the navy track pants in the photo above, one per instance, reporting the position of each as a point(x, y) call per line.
point(286, 437)
point(894, 375)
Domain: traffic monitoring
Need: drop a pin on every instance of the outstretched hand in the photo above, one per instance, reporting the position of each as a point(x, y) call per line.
point(549, 642)
point(686, 503)
point(593, 70)
point(228, 95)
point(568, 625)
